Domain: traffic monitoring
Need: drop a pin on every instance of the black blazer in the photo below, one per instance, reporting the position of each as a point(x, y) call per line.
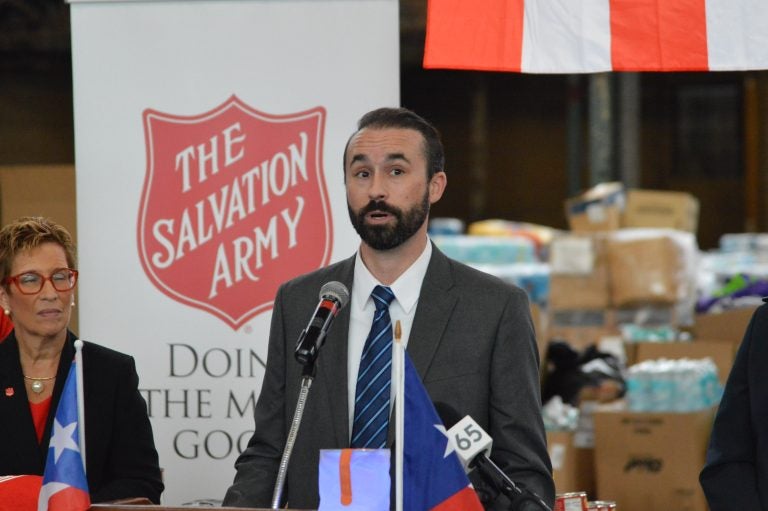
point(735, 476)
point(121, 460)
point(473, 344)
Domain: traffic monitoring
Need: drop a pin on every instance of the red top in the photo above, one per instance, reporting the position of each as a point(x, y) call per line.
point(40, 415)
point(5, 326)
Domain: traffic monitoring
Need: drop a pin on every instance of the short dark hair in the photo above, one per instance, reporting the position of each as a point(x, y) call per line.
point(386, 117)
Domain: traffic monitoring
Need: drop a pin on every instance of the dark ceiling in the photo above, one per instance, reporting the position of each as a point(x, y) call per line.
point(31, 31)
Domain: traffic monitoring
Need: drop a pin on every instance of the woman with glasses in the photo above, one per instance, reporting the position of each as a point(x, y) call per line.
point(37, 291)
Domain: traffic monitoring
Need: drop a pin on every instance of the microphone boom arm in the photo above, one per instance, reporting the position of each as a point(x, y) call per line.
point(521, 500)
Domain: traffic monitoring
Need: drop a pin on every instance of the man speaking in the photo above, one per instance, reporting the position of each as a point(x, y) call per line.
point(469, 335)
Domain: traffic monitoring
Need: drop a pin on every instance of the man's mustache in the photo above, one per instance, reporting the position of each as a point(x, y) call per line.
point(379, 206)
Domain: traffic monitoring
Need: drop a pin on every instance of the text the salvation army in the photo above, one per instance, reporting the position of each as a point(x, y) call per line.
point(245, 194)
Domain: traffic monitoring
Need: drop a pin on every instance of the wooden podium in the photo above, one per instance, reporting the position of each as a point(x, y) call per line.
point(151, 507)
point(145, 505)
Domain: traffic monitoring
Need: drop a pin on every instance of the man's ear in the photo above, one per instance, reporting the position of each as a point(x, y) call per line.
point(437, 186)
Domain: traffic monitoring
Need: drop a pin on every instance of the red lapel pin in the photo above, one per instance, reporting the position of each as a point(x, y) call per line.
point(9, 391)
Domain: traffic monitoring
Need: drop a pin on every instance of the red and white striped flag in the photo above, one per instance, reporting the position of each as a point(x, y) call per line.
point(588, 36)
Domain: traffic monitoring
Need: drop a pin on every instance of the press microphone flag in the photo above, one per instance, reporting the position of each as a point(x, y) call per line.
point(473, 447)
point(334, 296)
point(470, 440)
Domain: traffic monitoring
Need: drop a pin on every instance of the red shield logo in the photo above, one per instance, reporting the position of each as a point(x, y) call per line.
point(234, 203)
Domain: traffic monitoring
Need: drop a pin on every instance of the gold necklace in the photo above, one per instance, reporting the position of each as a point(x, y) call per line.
point(37, 384)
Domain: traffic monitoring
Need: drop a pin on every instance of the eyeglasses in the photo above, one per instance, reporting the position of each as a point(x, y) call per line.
point(31, 282)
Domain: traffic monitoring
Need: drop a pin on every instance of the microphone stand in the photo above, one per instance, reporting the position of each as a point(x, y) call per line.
point(307, 375)
point(521, 500)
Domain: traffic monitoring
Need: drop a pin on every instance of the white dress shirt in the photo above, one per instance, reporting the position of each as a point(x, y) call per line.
point(406, 288)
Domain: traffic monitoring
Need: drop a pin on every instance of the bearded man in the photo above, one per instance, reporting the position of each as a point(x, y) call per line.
point(469, 335)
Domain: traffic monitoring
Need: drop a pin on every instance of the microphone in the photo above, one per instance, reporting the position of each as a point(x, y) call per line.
point(473, 447)
point(333, 297)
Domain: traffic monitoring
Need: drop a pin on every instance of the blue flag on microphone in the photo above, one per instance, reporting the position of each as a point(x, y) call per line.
point(433, 477)
point(65, 487)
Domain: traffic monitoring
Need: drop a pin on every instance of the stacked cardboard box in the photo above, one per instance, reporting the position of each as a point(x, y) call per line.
point(629, 258)
point(573, 454)
point(573, 465)
point(727, 326)
point(579, 289)
point(651, 460)
point(600, 281)
point(608, 272)
point(608, 206)
point(598, 209)
point(653, 208)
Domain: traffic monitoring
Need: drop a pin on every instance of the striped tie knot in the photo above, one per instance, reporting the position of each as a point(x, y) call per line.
point(371, 420)
point(382, 297)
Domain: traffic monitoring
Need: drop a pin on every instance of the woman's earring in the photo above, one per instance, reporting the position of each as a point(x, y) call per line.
point(7, 312)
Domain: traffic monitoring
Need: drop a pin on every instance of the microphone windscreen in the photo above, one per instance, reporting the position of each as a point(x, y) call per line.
point(448, 414)
point(335, 290)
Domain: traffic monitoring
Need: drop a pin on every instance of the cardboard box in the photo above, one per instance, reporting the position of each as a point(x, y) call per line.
point(598, 209)
point(652, 208)
point(646, 270)
point(579, 272)
point(723, 326)
point(651, 461)
point(573, 467)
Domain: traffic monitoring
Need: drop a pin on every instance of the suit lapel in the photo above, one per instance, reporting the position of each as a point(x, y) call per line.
point(19, 432)
point(436, 303)
point(65, 363)
point(332, 362)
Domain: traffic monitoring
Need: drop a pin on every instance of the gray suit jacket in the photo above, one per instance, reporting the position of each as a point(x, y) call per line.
point(473, 344)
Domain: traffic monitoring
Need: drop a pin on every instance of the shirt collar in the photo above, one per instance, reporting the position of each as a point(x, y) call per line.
point(407, 287)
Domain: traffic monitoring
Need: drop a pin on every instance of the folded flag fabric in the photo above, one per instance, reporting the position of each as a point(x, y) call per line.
point(19, 493)
point(65, 487)
point(433, 477)
point(587, 36)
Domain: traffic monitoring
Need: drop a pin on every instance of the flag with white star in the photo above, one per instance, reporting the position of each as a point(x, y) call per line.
point(433, 478)
point(65, 487)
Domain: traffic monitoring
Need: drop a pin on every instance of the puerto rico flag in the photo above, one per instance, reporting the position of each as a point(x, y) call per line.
point(588, 36)
point(65, 487)
point(433, 478)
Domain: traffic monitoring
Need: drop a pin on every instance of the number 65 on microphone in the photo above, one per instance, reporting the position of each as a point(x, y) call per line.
point(469, 440)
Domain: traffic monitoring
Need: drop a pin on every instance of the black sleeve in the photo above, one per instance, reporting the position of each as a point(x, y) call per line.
point(127, 463)
point(258, 464)
point(729, 478)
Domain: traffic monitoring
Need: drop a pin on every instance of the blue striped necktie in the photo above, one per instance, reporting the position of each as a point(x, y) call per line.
point(369, 427)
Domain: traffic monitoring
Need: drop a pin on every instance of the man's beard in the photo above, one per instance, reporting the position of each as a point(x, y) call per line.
point(386, 237)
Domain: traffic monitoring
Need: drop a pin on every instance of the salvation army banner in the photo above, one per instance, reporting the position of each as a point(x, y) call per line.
point(588, 36)
point(209, 139)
